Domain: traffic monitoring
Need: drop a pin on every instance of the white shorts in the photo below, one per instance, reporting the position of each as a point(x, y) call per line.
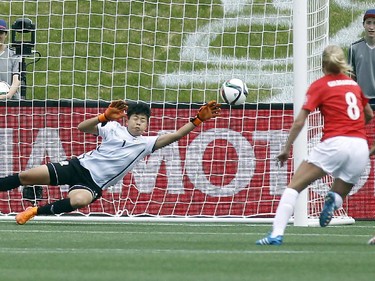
point(341, 157)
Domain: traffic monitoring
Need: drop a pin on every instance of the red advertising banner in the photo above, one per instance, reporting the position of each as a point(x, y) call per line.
point(223, 168)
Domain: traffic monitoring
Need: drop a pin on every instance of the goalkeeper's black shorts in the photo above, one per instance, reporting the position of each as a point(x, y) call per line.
point(71, 172)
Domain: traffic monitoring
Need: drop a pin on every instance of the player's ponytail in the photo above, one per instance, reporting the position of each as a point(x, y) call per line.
point(334, 61)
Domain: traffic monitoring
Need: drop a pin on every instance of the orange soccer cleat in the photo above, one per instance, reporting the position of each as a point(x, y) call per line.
point(26, 215)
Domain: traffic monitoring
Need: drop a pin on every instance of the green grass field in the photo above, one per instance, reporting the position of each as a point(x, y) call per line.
point(117, 49)
point(182, 251)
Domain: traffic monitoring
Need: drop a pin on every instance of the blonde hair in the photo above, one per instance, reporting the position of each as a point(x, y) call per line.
point(334, 61)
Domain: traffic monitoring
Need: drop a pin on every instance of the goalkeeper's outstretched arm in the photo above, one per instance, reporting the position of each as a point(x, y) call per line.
point(115, 110)
point(206, 112)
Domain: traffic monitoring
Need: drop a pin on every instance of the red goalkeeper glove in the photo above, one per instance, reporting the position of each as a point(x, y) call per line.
point(115, 110)
point(206, 112)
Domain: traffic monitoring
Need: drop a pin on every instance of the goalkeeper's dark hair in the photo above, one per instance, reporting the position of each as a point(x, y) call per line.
point(138, 108)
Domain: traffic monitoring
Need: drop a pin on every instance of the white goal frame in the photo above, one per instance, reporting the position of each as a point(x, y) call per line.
point(310, 33)
point(307, 53)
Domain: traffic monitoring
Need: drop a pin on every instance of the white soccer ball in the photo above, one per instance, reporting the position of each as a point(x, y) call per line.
point(234, 91)
point(4, 87)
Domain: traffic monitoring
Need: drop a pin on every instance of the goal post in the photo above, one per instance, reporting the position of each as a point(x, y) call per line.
point(300, 30)
point(173, 55)
point(311, 35)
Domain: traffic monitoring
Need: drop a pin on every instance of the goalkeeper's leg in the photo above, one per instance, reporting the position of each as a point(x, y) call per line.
point(79, 197)
point(37, 175)
point(9, 182)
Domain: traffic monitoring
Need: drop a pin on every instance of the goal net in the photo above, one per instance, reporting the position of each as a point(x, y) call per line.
point(173, 55)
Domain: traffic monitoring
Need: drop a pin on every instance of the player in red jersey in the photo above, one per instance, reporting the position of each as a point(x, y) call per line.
point(343, 151)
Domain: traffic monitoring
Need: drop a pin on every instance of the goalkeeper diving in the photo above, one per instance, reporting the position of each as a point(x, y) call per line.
point(92, 172)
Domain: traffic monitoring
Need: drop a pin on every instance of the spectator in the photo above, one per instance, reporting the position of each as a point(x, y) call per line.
point(9, 65)
point(361, 57)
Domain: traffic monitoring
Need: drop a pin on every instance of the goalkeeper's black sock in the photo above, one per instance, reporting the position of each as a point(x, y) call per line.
point(9, 182)
point(58, 207)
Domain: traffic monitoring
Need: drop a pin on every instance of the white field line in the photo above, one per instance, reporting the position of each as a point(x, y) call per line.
point(80, 251)
point(160, 223)
point(174, 233)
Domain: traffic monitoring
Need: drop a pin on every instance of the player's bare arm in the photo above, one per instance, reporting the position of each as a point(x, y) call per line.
point(89, 126)
point(115, 111)
point(369, 114)
point(167, 139)
point(16, 83)
point(206, 112)
point(297, 126)
point(372, 150)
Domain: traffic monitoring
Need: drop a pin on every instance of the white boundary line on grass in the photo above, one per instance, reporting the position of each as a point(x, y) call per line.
point(234, 220)
point(7, 219)
point(80, 251)
point(150, 232)
point(143, 251)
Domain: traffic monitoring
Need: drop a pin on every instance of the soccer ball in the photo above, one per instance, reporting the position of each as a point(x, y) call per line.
point(234, 92)
point(4, 88)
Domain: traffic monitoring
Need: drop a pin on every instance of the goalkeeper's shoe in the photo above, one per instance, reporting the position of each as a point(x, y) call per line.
point(328, 209)
point(26, 215)
point(268, 240)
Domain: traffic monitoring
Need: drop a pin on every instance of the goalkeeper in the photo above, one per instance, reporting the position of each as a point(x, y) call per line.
point(92, 172)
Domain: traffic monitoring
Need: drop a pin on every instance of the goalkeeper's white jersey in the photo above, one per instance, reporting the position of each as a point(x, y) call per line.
point(116, 155)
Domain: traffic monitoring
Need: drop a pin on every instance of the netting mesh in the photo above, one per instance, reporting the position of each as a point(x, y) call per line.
point(173, 55)
point(212, 172)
